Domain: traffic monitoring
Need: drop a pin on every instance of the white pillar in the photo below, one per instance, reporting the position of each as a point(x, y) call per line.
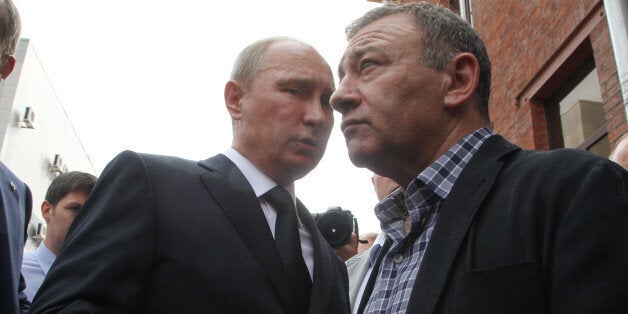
point(617, 16)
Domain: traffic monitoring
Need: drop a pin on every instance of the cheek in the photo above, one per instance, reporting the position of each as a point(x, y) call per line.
point(385, 117)
point(330, 122)
point(67, 216)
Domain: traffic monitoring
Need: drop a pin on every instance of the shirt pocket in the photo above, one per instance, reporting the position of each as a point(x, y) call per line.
point(512, 288)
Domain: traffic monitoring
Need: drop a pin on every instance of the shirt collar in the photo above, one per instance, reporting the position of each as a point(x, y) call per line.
point(377, 246)
point(441, 175)
point(432, 184)
point(45, 257)
point(391, 208)
point(260, 182)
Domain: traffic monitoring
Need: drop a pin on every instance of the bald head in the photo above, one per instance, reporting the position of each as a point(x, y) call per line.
point(251, 60)
point(620, 154)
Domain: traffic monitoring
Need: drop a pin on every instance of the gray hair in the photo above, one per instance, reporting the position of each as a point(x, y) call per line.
point(10, 27)
point(444, 35)
point(250, 60)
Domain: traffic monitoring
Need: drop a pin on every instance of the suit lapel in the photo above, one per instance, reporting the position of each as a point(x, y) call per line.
point(238, 201)
point(454, 220)
point(323, 271)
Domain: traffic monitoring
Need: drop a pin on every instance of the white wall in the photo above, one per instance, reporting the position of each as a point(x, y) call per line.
point(30, 152)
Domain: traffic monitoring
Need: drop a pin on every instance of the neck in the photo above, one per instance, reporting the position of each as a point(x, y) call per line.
point(405, 175)
point(51, 247)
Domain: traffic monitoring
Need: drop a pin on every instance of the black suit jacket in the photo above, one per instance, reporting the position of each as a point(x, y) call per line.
point(16, 202)
point(529, 232)
point(166, 235)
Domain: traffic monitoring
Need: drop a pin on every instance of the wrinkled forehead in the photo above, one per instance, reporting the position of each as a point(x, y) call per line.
point(355, 52)
point(398, 30)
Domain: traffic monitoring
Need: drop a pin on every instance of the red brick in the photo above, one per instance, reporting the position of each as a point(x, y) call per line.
point(520, 37)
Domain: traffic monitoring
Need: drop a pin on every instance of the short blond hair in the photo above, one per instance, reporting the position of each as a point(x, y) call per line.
point(251, 60)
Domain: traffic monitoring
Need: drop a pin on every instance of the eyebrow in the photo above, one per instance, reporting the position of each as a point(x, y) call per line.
point(356, 54)
point(301, 81)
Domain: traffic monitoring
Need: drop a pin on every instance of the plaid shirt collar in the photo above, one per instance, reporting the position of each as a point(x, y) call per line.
point(432, 185)
point(424, 199)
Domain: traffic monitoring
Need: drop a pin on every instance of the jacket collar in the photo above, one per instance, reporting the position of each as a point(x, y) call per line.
point(454, 220)
point(236, 198)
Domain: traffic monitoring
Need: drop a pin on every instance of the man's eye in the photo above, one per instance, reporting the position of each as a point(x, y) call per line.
point(294, 91)
point(325, 101)
point(75, 208)
point(366, 64)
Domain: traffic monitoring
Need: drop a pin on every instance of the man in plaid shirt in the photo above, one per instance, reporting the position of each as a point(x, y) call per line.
point(481, 225)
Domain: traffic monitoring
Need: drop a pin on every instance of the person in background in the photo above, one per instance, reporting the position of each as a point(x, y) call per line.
point(161, 234)
point(383, 186)
point(64, 198)
point(620, 154)
point(367, 241)
point(360, 266)
point(15, 196)
point(487, 227)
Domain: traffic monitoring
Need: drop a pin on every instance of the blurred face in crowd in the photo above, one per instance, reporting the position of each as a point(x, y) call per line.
point(7, 62)
point(282, 121)
point(60, 217)
point(391, 104)
point(620, 154)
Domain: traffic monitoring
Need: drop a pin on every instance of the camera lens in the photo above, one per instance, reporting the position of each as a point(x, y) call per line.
point(335, 228)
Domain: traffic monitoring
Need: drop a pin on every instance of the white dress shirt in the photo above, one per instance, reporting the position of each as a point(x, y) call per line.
point(261, 184)
point(35, 266)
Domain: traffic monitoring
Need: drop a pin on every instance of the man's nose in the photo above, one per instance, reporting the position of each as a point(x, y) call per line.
point(318, 114)
point(345, 97)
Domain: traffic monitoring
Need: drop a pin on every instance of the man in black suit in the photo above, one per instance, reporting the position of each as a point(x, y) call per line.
point(489, 228)
point(16, 202)
point(165, 235)
point(15, 196)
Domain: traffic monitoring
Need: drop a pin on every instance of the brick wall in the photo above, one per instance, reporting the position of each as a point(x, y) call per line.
point(521, 37)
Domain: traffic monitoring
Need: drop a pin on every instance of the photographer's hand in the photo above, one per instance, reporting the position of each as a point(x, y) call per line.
point(350, 249)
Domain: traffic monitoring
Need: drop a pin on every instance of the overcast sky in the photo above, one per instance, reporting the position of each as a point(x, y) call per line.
point(149, 76)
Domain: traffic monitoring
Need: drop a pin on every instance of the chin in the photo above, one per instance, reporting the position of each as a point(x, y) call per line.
point(302, 165)
point(360, 159)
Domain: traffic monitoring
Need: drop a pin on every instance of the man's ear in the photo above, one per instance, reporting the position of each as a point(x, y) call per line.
point(46, 211)
point(234, 91)
point(464, 74)
point(8, 63)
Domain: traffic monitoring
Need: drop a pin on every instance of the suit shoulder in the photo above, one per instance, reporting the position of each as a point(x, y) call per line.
point(358, 258)
point(150, 160)
point(563, 174)
point(559, 161)
point(8, 175)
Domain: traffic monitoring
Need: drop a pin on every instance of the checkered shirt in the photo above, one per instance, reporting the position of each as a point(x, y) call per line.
point(424, 198)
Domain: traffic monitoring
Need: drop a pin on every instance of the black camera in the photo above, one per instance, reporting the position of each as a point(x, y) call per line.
point(336, 226)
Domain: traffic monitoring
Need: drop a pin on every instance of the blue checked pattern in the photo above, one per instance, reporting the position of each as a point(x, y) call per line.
point(424, 198)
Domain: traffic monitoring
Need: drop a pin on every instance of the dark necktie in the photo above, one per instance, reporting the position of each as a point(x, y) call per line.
point(288, 244)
